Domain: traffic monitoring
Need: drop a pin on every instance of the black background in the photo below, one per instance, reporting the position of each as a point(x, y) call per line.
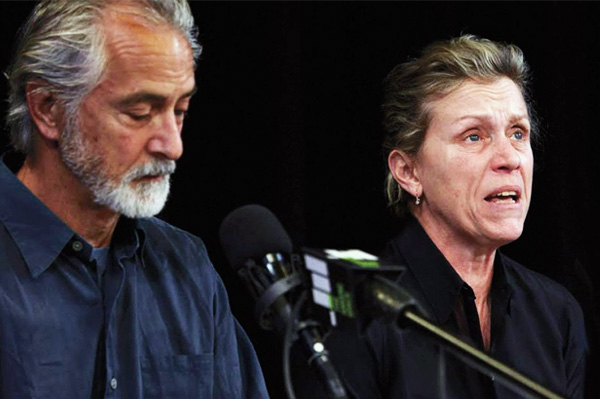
point(288, 115)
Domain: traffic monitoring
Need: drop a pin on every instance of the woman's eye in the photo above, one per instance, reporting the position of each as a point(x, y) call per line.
point(473, 138)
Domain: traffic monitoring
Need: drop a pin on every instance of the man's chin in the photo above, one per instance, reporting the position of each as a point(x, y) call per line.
point(141, 209)
point(141, 200)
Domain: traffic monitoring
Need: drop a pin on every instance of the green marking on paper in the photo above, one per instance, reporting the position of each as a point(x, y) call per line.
point(342, 302)
point(363, 263)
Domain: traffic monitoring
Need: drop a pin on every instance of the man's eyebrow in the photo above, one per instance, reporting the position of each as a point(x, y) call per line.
point(147, 97)
point(190, 93)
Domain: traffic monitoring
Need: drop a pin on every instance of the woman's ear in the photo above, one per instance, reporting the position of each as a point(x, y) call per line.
point(402, 168)
point(45, 110)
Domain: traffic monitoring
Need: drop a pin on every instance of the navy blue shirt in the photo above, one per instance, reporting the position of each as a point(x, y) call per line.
point(156, 325)
point(537, 328)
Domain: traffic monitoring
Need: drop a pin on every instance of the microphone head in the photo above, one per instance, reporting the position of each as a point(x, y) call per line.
point(251, 232)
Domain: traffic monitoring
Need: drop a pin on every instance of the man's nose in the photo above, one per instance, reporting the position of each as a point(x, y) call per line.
point(166, 139)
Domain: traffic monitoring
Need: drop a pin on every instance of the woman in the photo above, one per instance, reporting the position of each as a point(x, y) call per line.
point(458, 146)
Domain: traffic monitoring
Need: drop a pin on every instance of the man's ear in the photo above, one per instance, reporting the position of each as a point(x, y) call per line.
point(45, 110)
point(402, 167)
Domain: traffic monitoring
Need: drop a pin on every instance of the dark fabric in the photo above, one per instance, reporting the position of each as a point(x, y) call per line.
point(158, 325)
point(537, 328)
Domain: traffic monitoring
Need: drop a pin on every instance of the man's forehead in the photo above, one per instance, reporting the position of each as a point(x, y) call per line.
point(128, 16)
point(144, 60)
point(128, 32)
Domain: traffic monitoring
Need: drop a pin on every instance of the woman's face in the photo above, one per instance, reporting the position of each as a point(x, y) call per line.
point(475, 167)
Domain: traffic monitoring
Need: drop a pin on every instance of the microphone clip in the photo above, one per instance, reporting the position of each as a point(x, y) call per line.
point(270, 282)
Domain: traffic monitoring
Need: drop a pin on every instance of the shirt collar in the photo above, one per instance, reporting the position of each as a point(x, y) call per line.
point(38, 233)
point(440, 283)
point(501, 289)
point(129, 237)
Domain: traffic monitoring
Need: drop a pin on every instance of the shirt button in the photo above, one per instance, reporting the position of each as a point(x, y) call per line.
point(113, 383)
point(77, 246)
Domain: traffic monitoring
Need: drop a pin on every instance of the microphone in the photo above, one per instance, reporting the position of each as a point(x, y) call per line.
point(258, 248)
point(255, 243)
point(352, 288)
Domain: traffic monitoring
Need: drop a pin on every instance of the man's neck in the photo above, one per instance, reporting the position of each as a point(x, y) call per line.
point(63, 194)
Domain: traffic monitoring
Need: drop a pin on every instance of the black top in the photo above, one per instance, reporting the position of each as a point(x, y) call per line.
point(537, 329)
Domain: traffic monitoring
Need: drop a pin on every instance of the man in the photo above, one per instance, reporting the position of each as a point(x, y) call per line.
point(97, 298)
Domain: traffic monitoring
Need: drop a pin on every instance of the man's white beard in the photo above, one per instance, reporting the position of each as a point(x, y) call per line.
point(139, 199)
point(120, 194)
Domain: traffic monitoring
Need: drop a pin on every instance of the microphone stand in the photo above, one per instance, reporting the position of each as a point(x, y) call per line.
point(309, 334)
point(396, 307)
point(270, 282)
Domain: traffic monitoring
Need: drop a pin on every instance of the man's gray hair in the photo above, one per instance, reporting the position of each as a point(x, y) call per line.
point(62, 46)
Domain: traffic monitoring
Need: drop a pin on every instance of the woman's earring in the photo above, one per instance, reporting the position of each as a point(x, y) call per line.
point(417, 200)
